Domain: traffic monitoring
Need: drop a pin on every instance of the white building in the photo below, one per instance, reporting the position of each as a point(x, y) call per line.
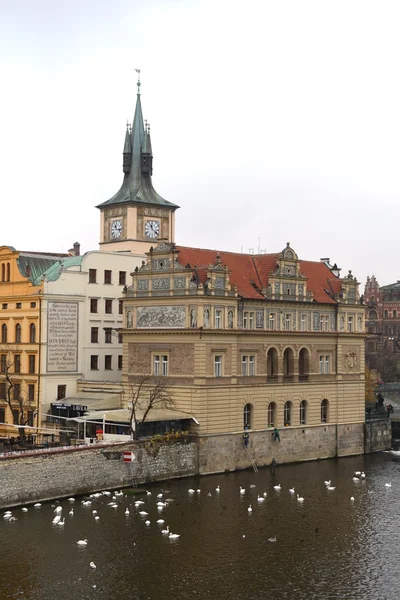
point(81, 311)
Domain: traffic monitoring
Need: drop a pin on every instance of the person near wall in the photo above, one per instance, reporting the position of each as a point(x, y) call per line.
point(276, 435)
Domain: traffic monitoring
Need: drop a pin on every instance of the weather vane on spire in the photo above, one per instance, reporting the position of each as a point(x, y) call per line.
point(138, 81)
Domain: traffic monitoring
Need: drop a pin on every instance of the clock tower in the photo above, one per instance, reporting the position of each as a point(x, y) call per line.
point(136, 217)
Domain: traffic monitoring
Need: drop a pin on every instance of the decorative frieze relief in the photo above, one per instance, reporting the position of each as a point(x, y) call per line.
point(260, 319)
point(160, 283)
point(179, 282)
point(143, 285)
point(160, 316)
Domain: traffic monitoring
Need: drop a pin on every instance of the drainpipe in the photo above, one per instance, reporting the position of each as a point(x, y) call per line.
point(39, 361)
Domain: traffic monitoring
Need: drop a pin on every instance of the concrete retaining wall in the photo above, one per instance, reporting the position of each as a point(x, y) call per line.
point(378, 435)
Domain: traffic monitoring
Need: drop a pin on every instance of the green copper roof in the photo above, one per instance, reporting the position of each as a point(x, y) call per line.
point(36, 263)
point(137, 186)
point(391, 287)
point(54, 272)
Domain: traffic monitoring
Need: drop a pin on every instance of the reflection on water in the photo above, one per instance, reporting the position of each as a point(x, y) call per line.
point(328, 547)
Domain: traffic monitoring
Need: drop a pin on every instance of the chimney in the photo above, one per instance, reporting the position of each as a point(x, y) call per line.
point(77, 248)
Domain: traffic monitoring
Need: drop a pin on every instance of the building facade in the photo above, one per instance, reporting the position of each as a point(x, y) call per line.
point(383, 328)
point(248, 342)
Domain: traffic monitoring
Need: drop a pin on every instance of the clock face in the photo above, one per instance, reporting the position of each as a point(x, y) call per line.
point(116, 229)
point(152, 229)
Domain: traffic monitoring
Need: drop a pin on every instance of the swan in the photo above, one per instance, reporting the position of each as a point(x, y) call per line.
point(218, 489)
point(292, 490)
point(161, 521)
point(250, 510)
point(159, 495)
point(94, 512)
point(127, 511)
point(352, 499)
point(265, 494)
point(37, 505)
point(61, 523)
point(327, 482)
point(82, 542)
point(71, 499)
point(357, 473)
point(7, 515)
point(198, 491)
point(252, 485)
point(139, 502)
point(92, 565)
point(86, 503)
point(147, 523)
point(114, 498)
point(260, 499)
point(107, 493)
point(13, 519)
point(209, 494)
point(71, 512)
point(24, 509)
point(174, 536)
point(165, 531)
point(388, 484)
point(58, 509)
point(362, 475)
point(148, 493)
point(277, 487)
point(299, 498)
point(143, 513)
point(330, 488)
point(161, 504)
point(97, 495)
point(115, 505)
point(356, 479)
point(242, 490)
point(191, 491)
point(56, 520)
point(272, 539)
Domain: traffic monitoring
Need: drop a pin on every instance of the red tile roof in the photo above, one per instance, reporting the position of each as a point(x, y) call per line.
point(250, 272)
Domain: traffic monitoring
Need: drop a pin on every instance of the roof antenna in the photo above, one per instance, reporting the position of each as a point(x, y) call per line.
point(138, 81)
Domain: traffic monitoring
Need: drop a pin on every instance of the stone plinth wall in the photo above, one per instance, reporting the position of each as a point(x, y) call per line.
point(45, 476)
point(378, 435)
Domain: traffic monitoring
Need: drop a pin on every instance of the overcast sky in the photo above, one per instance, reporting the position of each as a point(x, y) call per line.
point(271, 121)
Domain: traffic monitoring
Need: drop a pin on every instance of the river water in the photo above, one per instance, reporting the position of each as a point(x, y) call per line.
point(327, 547)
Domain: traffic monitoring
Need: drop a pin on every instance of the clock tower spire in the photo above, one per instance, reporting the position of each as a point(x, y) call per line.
point(136, 216)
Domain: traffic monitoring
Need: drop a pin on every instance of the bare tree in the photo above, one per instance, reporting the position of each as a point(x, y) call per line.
point(145, 394)
point(17, 402)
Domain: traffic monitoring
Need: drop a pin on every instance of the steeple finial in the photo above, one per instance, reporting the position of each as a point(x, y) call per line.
point(138, 81)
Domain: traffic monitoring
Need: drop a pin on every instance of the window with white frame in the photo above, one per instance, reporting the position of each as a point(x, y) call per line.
point(324, 323)
point(303, 322)
point(218, 318)
point(288, 322)
point(350, 324)
point(324, 364)
point(272, 320)
point(160, 364)
point(248, 320)
point(218, 365)
point(248, 364)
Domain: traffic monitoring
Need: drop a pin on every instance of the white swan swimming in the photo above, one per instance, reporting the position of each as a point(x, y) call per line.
point(388, 484)
point(272, 539)
point(61, 523)
point(24, 509)
point(127, 511)
point(56, 520)
point(71, 499)
point(37, 505)
point(71, 512)
point(352, 499)
point(242, 490)
point(165, 531)
point(252, 485)
point(92, 565)
point(250, 510)
point(147, 523)
point(174, 536)
point(217, 489)
point(260, 499)
point(191, 491)
point(265, 494)
point(161, 521)
point(277, 487)
point(94, 512)
point(82, 542)
point(362, 475)
point(143, 513)
point(300, 498)
point(330, 488)
point(356, 479)
point(148, 493)
point(357, 473)
point(97, 518)
point(198, 491)
point(327, 482)
point(292, 490)
point(159, 495)
point(58, 509)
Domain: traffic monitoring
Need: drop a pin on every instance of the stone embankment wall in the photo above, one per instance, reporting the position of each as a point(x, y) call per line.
point(44, 476)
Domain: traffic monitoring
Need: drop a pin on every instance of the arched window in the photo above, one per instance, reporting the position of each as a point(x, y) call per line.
point(373, 315)
point(271, 414)
point(385, 314)
point(18, 333)
point(272, 364)
point(324, 411)
point(288, 364)
point(4, 333)
point(304, 364)
point(8, 272)
point(395, 314)
point(287, 414)
point(303, 412)
point(32, 333)
point(3, 272)
point(248, 416)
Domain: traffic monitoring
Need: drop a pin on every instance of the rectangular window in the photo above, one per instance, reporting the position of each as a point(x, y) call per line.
point(108, 335)
point(31, 392)
point(218, 319)
point(122, 278)
point(288, 322)
point(32, 363)
point(2, 415)
point(327, 365)
point(3, 390)
point(120, 362)
point(244, 366)
point(18, 305)
point(108, 307)
point(303, 323)
point(350, 324)
point(160, 364)
point(120, 338)
point(61, 392)
point(248, 320)
point(324, 323)
point(15, 414)
point(93, 305)
point(17, 363)
point(30, 418)
point(33, 304)
point(120, 307)
point(248, 365)
point(94, 335)
point(94, 362)
point(252, 362)
point(107, 276)
point(324, 364)
point(217, 366)
point(92, 275)
point(17, 391)
point(4, 306)
point(3, 363)
point(272, 320)
point(108, 362)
